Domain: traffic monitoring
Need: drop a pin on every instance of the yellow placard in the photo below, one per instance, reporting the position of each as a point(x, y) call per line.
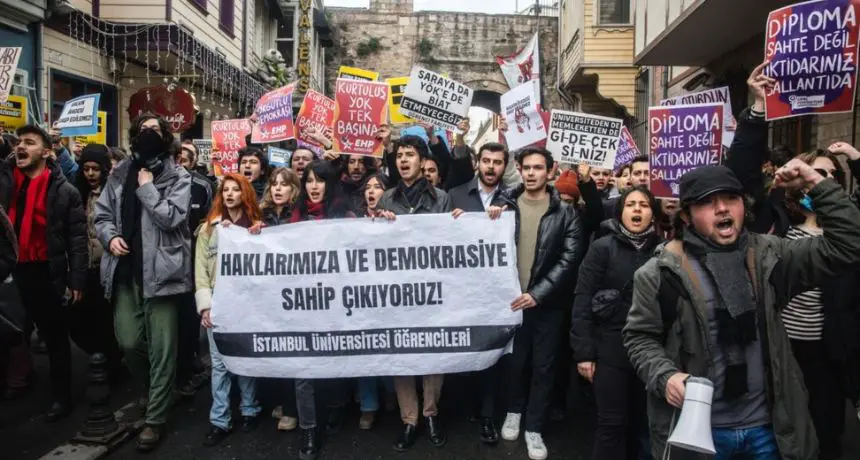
point(353, 73)
point(98, 138)
point(397, 88)
point(13, 113)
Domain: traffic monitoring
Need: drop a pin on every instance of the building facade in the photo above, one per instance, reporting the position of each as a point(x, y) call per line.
point(21, 26)
point(689, 45)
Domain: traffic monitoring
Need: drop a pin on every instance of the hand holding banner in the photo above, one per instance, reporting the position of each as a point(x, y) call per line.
point(274, 116)
point(682, 138)
point(360, 108)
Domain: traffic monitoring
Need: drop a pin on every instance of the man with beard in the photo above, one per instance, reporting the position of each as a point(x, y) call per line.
point(48, 218)
point(477, 196)
point(254, 165)
point(142, 219)
point(548, 245)
point(414, 194)
point(355, 169)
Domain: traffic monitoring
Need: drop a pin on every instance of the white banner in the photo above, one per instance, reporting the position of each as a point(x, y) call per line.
point(354, 297)
point(9, 57)
point(520, 109)
point(583, 138)
point(522, 66)
point(719, 95)
point(432, 98)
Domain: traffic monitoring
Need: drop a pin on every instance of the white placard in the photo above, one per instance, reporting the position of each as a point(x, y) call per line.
point(520, 109)
point(353, 297)
point(79, 116)
point(9, 56)
point(432, 98)
point(583, 138)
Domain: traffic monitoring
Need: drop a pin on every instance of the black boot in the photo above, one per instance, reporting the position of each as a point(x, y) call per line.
point(215, 436)
point(310, 444)
point(489, 434)
point(406, 438)
point(434, 431)
point(334, 422)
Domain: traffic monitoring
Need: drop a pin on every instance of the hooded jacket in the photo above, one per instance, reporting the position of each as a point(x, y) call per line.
point(604, 292)
point(66, 226)
point(557, 252)
point(165, 204)
point(778, 270)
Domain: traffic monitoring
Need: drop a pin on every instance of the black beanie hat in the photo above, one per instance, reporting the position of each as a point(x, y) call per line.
point(97, 153)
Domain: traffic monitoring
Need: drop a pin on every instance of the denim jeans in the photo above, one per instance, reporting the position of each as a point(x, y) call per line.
point(222, 382)
point(368, 391)
point(756, 443)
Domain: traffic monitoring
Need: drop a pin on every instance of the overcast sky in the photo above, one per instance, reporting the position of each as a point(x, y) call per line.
point(477, 6)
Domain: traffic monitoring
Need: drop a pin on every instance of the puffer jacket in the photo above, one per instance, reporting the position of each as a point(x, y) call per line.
point(432, 201)
point(604, 292)
point(165, 204)
point(557, 252)
point(66, 226)
point(778, 270)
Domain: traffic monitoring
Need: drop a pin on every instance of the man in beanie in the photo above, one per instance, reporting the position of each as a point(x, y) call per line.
point(708, 306)
point(567, 185)
point(254, 165)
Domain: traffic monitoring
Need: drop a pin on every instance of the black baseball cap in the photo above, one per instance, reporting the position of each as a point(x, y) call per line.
point(703, 182)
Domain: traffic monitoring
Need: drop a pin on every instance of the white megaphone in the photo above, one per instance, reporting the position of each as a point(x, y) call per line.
point(693, 430)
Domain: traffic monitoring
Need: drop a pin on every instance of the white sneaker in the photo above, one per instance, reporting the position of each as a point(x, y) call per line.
point(511, 427)
point(535, 446)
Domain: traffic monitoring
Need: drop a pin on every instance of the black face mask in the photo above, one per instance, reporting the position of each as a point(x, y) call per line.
point(149, 150)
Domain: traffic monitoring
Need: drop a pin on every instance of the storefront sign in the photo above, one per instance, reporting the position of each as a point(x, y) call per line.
point(361, 106)
point(177, 107)
point(274, 115)
point(396, 88)
point(100, 137)
point(317, 112)
point(811, 49)
point(304, 48)
point(228, 137)
point(682, 138)
point(8, 65)
point(80, 116)
point(582, 138)
point(352, 73)
point(432, 98)
point(13, 113)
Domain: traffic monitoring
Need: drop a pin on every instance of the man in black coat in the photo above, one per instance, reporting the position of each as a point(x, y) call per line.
point(8, 246)
point(548, 252)
point(49, 220)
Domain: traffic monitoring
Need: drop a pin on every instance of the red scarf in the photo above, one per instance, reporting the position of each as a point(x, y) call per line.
point(32, 238)
point(316, 211)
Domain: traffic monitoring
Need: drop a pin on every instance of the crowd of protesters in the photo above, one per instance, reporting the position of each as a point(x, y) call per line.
point(746, 279)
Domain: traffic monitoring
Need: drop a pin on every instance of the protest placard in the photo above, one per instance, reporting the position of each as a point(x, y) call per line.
point(396, 88)
point(520, 109)
point(274, 116)
point(228, 137)
point(9, 56)
point(435, 99)
point(353, 297)
point(13, 113)
point(583, 138)
point(360, 107)
point(627, 150)
point(100, 137)
point(712, 96)
point(279, 157)
point(682, 138)
point(80, 116)
point(204, 151)
point(317, 112)
point(352, 73)
point(811, 48)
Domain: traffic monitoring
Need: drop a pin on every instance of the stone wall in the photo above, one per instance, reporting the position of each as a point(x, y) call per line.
point(389, 38)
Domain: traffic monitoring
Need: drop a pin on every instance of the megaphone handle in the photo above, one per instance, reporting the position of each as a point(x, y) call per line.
point(667, 451)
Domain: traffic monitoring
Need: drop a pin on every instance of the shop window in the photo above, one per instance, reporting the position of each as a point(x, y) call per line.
point(613, 12)
point(286, 39)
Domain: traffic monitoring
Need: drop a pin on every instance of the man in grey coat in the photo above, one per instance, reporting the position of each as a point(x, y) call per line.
point(142, 219)
point(709, 306)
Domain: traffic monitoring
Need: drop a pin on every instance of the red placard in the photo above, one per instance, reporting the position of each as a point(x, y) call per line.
point(317, 112)
point(228, 137)
point(177, 107)
point(274, 116)
point(360, 107)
